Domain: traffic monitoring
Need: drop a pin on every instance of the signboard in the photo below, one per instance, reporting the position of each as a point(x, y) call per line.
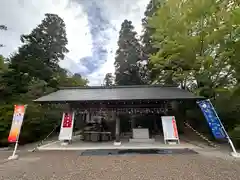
point(212, 119)
point(18, 115)
point(66, 126)
point(169, 128)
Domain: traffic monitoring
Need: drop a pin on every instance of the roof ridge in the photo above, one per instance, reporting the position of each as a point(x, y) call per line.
point(116, 87)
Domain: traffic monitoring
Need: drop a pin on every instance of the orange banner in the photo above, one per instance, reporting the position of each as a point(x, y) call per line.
point(18, 115)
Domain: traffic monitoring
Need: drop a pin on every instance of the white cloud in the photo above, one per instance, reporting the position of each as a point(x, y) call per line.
point(23, 15)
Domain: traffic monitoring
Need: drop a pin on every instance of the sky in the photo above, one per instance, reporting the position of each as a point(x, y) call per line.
point(92, 28)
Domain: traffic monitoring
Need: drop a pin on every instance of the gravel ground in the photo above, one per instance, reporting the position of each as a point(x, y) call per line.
point(67, 165)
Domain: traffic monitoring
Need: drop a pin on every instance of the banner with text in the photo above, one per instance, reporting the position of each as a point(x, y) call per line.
point(212, 119)
point(169, 128)
point(66, 126)
point(18, 115)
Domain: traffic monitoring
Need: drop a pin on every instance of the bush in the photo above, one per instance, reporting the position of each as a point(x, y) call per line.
point(235, 135)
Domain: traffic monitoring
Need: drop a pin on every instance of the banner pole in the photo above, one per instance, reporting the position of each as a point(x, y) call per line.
point(14, 155)
point(228, 138)
point(15, 149)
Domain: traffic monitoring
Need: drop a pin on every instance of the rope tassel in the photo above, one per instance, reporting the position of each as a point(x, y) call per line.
point(200, 135)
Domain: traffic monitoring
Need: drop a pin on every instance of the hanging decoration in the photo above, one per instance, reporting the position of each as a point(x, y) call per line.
point(125, 107)
point(102, 111)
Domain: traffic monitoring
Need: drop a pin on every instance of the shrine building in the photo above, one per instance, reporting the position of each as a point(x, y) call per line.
point(116, 114)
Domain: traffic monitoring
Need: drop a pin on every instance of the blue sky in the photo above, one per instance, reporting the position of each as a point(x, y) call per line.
point(92, 29)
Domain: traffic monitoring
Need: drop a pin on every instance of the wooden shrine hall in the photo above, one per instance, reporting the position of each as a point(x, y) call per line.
point(101, 104)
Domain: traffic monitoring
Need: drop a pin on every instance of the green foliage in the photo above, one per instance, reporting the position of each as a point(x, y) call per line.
point(3, 65)
point(235, 134)
point(127, 56)
point(42, 49)
point(194, 41)
point(146, 39)
point(195, 45)
point(5, 122)
point(151, 9)
point(39, 121)
point(31, 73)
point(108, 80)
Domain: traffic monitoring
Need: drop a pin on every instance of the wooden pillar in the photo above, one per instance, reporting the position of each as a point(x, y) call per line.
point(155, 124)
point(133, 123)
point(87, 117)
point(117, 132)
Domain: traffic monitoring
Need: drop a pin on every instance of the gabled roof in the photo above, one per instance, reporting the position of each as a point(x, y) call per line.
point(115, 93)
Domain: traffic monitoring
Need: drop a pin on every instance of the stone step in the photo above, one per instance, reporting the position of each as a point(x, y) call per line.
point(142, 140)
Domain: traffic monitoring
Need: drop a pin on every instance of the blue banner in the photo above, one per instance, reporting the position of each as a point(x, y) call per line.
point(212, 119)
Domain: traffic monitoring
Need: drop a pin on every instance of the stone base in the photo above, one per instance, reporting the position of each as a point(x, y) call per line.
point(172, 142)
point(64, 143)
point(236, 155)
point(137, 140)
point(117, 143)
point(13, 157)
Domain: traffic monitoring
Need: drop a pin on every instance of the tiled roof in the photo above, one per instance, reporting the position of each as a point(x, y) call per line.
point(114, 93)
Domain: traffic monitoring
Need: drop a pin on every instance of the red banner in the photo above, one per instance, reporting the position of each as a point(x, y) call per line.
point(18, 115)
point(66, 126)
point(67, 120)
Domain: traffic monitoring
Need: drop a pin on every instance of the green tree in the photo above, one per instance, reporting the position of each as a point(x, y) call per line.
point(127, 56)
point(197, 49)
point(3, 64)
point(146, 39)
point(66, 79)
point(3, 69)
point(108, 80)
point(38, 57)
point(42, 49)
point(192, 38)
point(148, 31)
point(33, 72)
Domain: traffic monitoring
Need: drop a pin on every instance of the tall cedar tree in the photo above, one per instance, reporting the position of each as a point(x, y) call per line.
point(43, 48)
point(127, 56)
point(35, 72)
point(146, 38)
point(39, 55)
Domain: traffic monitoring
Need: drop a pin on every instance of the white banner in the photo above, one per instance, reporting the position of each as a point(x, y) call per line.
point(169, 128)
point(67, 126)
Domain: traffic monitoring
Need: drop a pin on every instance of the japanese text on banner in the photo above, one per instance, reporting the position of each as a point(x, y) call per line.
point(212, 119)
